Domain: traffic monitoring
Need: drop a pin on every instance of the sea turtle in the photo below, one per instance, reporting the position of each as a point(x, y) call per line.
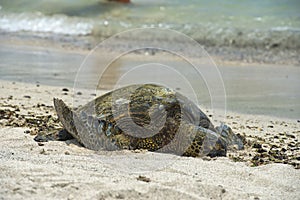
point(146, 116)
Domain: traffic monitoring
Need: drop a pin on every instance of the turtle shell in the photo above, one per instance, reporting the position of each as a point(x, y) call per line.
point(145, 116)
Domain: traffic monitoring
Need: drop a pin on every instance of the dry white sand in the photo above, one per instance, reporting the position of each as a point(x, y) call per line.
point(64, 170)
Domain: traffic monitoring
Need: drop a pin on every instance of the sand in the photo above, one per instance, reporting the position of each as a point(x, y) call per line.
point(65, 170)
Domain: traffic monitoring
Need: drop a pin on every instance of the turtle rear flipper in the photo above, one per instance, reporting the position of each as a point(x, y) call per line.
point(65, 115)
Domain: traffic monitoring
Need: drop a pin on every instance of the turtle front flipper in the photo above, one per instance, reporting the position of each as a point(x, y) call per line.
point(96, 134)
point(65, 115)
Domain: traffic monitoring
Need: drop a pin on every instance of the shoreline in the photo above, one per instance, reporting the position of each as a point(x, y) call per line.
point(68, 94)
point(250, 88)
point(221, 54)
point(57, 169)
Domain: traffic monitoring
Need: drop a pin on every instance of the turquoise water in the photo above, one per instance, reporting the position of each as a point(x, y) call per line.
point(258, 23)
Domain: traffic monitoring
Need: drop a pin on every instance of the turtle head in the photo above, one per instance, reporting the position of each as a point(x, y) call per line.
point(229, 137)
point(66, 117)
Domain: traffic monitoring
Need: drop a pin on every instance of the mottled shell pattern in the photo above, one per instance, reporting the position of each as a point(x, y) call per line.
point(146, 116)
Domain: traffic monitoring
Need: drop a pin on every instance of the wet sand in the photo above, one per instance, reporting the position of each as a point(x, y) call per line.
point(249, 88)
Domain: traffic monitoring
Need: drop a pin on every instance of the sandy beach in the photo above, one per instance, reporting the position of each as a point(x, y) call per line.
point(237, 60)
point(268, 167)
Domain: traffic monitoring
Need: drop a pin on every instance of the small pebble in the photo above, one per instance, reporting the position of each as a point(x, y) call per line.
point(206, 158)
point(16, 189)
point(274, 146)
point(79, 93)
point(292, 144)
point(261, 150)
point(41, 144)
point(27, 96)
point(143, 178)
point(65, 90)
point(120, 196)
point(290, 135)
point(43, 152)
point(256, 145)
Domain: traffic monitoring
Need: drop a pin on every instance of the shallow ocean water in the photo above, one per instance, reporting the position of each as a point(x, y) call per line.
point(268, 23)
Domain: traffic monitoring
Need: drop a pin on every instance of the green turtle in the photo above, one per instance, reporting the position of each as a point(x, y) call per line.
point(146, 116)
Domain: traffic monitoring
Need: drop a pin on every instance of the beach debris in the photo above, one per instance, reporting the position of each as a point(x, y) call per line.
point(65, 90)
point(44, 152)
point(223, 190)
point(256, 145)
point(12, 115)
point(41, 144)
point(143, 178)
point(27, 131)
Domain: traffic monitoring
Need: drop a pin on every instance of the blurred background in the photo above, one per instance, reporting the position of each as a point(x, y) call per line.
point(259, 24)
